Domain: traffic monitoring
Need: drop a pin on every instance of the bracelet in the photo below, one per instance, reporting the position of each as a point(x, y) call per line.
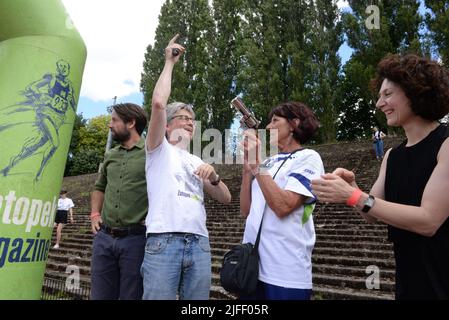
point(94, 215)
point(354, 198)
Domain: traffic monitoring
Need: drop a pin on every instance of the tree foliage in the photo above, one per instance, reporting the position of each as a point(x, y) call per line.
point(193, 21)
point(397, 32)
point(437, 21)
point(88, 145)
point(270, 51)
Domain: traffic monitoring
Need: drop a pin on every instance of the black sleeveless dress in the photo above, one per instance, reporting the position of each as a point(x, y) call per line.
point(422, 263)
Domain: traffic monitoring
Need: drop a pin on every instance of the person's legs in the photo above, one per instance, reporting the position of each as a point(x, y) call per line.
point(381, 149)
point(58, 234)
point(105, 274)
point(131, 251)
point(376, 148)
point(60, 220)
point(161, 267)
point(196, 275)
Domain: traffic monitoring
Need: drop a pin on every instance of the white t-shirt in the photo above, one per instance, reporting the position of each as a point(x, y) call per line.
point(65, 204)
point(286, 244)
point(175, 193)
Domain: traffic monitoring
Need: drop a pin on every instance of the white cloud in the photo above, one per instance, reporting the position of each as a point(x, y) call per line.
point(116, 34)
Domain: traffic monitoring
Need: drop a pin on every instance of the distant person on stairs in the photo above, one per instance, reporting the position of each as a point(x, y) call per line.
point(119, 206)
point(177, 254)
point(65, 206)
point(286, 202)
point(378, 143)
point(410, 194)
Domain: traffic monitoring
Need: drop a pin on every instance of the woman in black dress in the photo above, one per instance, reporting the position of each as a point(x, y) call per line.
point(410, 194)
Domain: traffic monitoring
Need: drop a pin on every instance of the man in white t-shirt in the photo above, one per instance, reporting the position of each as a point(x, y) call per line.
point(65, 206)
point(177, 254)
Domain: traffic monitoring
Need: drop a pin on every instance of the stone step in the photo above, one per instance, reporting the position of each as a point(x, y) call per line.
point(350, 226)
point(76, 236)
point(353, 261)
point(62, 250)
point(75, 246)
point(62, 276)
point(354, 252)
point(215, 233)
point(354, 271)
point(351, 238)
point(325, 221)
point(351, 282)
point(57, 281)
point(75, 260)
point(75, 240)
point(352, 232)
point(321, 243)
point(63, 267)
point(322, 292)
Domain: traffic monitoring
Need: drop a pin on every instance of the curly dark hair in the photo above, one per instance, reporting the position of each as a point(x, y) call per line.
point(130, 111)
point(308, 122)
point(425, 83)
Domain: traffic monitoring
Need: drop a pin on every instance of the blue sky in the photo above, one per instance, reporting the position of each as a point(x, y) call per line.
point(116, 34)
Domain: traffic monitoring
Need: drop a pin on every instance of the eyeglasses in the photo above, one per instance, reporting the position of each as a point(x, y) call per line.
point(184, 117)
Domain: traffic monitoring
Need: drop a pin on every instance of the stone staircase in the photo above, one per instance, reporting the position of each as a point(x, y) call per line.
point(347, 249)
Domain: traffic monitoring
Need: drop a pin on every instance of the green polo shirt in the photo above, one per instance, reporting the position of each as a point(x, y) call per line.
point(122, 180)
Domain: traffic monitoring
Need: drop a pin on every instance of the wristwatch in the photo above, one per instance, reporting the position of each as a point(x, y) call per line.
point(368, 204)
point(216, 181)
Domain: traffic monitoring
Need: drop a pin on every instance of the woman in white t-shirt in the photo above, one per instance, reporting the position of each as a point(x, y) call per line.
point(288, 235)
point(65, 206)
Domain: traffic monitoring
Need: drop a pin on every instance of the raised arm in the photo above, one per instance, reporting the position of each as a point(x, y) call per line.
point(161, 93)
point(282, 202)
point(245, 193)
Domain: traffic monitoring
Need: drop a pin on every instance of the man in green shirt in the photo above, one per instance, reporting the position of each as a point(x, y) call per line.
point(119, 206)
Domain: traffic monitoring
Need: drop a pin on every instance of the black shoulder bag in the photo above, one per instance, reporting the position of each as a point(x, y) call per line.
point(240, 269)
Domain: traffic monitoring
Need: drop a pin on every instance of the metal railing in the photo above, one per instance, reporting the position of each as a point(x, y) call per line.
point(58, 289)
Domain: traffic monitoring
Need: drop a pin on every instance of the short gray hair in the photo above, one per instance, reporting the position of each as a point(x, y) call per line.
point(174, 107)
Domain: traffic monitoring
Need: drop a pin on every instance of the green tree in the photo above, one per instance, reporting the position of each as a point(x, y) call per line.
point(94, 135)
point(322, 73)
point(397, 32)
point(272, 53)
point(438, 23)
point(289, 52)
point(79, 123)
point(85, 161)
point(193, 21)
point(88, 151)
point(224, 63)
point(355, 114)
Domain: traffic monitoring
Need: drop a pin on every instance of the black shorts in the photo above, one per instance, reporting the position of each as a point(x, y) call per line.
point(61, 216)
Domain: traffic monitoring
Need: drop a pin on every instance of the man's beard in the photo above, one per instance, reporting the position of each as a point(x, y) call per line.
point(121, 136)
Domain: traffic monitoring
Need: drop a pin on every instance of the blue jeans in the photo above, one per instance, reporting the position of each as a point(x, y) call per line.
point(379, 148)
point(176, 263)
point(115, 267)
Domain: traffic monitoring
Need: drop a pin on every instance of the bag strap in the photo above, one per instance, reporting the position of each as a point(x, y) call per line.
point(256, 245)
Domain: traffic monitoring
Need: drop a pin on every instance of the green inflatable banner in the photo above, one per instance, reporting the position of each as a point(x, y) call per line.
point(42, 60)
